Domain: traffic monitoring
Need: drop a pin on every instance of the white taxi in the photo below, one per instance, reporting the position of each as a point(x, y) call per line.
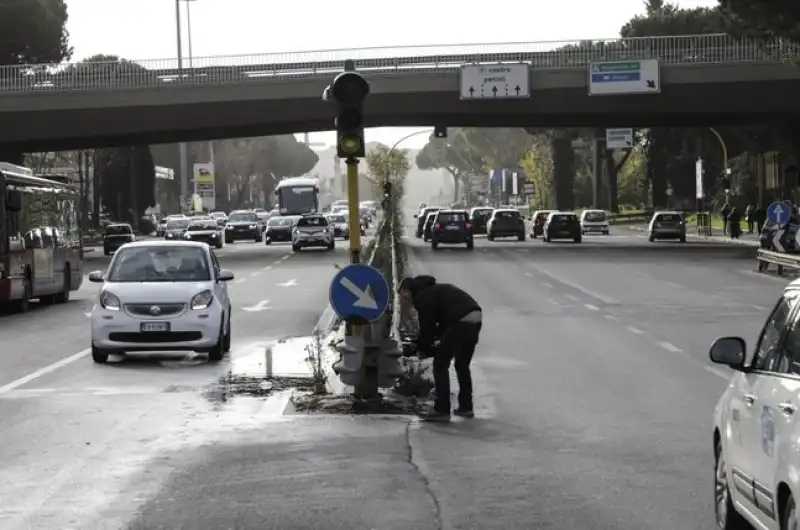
point(162, 296)
point(756, 429)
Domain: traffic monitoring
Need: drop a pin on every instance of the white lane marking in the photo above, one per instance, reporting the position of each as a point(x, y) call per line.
point(669, 347)
point(241, 281)
point(674, 284)
point(609, 317)
point(261, 306)
point(287, 256)
point(254, 274)
point(529, 274)
point(634, 330)
point(288, 283)
point(268, 267)
point(548, 285)
point(642, 274)
point(718, 372)
point(572, 297)
point(597, 296)
point(44, 371)
point(591, 307)
point(758, 307)
point(88, 315)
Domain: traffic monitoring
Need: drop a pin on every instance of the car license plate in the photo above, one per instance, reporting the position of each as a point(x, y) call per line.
point(452, 227)
point(564, 233)
point(150, 327)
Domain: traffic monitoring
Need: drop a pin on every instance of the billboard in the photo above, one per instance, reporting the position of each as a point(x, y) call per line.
point(204, 184)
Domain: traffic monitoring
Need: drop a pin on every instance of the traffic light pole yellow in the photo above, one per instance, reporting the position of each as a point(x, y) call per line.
point(354, 212)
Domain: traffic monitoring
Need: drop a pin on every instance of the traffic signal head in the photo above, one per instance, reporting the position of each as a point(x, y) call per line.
point(349, 89)
point(440, 132)
point(350, 133)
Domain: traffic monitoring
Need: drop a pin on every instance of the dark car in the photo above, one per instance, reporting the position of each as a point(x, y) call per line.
point(176, 228)
point(480, 218)
point(451, 227)
point(115, 236)
point(279, 229)
point(506, 223)
point(205, 231)
point(538, 220)
point(562, 225)
point(243, 225)
point(339, 224)
point(421, 217)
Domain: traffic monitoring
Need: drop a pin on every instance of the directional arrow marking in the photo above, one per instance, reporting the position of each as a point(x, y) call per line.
point(261, 306)
point(651, 83)
point(779, 211)
point(517, 89)
point(364, 297)
point(471, 91)
point(289, 283)
point(776, 240)
point(494, 90)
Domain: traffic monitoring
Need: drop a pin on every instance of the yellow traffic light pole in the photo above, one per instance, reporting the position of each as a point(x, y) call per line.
point(354, 212)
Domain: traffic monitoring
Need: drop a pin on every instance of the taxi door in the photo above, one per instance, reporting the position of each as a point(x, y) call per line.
point(750, 394)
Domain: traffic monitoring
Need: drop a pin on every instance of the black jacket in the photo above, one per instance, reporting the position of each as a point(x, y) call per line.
point(438, 305)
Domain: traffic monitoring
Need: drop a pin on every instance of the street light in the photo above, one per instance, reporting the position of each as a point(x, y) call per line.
point(184, 157)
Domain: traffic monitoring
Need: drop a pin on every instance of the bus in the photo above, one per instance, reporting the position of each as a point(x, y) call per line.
point(40, 240)
point(297, 196)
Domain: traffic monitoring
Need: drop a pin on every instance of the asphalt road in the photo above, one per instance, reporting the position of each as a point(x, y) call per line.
point(593, 399)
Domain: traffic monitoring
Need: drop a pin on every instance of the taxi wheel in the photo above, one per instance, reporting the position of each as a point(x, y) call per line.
point(789, 517)
point(726, 515)
point(99, 356)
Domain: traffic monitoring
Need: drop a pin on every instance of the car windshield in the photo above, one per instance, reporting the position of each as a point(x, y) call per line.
point(242, 217)
point(449, 217)
point(337, 219)
point(482, 213)
point(117, 230)
point(178, 224)
point(668, 218)
point(205, 225)
point(312, 221)
point(159, 264)
point(279, 221)
point(594, 217)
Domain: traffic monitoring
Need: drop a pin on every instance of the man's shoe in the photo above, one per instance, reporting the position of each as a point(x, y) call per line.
point(436, 416)
point(464, 413)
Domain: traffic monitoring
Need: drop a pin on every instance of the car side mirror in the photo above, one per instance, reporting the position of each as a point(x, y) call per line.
point(730, 351)
point(225, 275)
point(97, 277)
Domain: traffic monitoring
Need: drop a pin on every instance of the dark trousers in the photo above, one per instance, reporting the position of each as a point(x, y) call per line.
point(750, 225)
point(458, 343)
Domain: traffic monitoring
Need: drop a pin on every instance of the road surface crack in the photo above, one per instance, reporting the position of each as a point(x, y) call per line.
point(425, 479)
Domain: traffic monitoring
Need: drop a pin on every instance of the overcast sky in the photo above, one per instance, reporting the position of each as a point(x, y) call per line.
point(146, 29)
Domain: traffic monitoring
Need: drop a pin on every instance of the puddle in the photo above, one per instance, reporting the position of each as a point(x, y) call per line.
point(263, 368)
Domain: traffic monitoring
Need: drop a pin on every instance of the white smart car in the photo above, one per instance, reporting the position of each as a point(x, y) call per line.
point(594, 222)
point(162, 296)
point(312, 230)
point(756, 430)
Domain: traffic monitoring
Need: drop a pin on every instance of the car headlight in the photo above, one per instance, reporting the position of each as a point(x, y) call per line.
point(228, 227)
point(188, 236)
point(253, 227)
point(202, 300)
point(213, 235)
point(109, 301)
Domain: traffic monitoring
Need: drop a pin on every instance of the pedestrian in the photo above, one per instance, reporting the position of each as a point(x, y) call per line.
point(734, 220)
point(726, 209)
point(761, 218)
point(451, 313)
point(750, 217)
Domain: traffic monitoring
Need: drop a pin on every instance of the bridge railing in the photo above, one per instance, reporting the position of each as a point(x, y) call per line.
point(260, 68)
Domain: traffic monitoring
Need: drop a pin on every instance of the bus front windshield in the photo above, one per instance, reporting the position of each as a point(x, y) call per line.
point(296, 200)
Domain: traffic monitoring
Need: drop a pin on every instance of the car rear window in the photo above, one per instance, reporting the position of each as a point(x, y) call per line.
point(595, 217)
point(668, 217)
point(450, 217)
point(116, 230)
point(279, 221)
point(564, 218)
point(203, 225)
point(506, 215)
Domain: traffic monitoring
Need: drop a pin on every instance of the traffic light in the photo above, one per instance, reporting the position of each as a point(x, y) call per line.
point(440, 132)
point(348, 91)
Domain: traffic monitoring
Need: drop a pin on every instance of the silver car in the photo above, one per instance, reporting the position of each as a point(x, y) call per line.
point(667, 225)
point(312, 231)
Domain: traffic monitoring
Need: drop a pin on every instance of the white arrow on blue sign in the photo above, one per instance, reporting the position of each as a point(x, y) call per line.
point(778, 213)
point(359, 294)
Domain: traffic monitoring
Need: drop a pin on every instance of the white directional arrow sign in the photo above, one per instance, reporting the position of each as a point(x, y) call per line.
point(364, 297)
point(776, 240)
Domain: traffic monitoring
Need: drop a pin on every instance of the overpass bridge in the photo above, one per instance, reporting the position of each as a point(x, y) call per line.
point(706, 80)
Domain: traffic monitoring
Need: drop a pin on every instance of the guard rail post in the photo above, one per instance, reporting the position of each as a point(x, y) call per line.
point(781, 260)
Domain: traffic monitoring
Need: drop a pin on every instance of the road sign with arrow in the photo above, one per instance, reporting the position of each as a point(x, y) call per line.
point(777, 240)
point(611, 78)
point(501, 81)
point(359, 294)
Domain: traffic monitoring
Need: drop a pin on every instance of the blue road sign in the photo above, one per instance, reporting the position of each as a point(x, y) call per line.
point(359, 294)
point(778, 213)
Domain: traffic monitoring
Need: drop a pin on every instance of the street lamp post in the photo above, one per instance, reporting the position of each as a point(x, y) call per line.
point(184, 157)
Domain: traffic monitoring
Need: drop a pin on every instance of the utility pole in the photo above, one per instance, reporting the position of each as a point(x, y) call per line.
point(184, 159)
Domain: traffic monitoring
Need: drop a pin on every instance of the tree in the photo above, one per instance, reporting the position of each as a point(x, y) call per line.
point(538, 166)
point(388, 166)
point(762, 18)
point(127, 181)
point(33, 32)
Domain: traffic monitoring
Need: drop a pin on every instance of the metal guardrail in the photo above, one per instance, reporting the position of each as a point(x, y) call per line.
point(781, 260)
point(718, 48)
